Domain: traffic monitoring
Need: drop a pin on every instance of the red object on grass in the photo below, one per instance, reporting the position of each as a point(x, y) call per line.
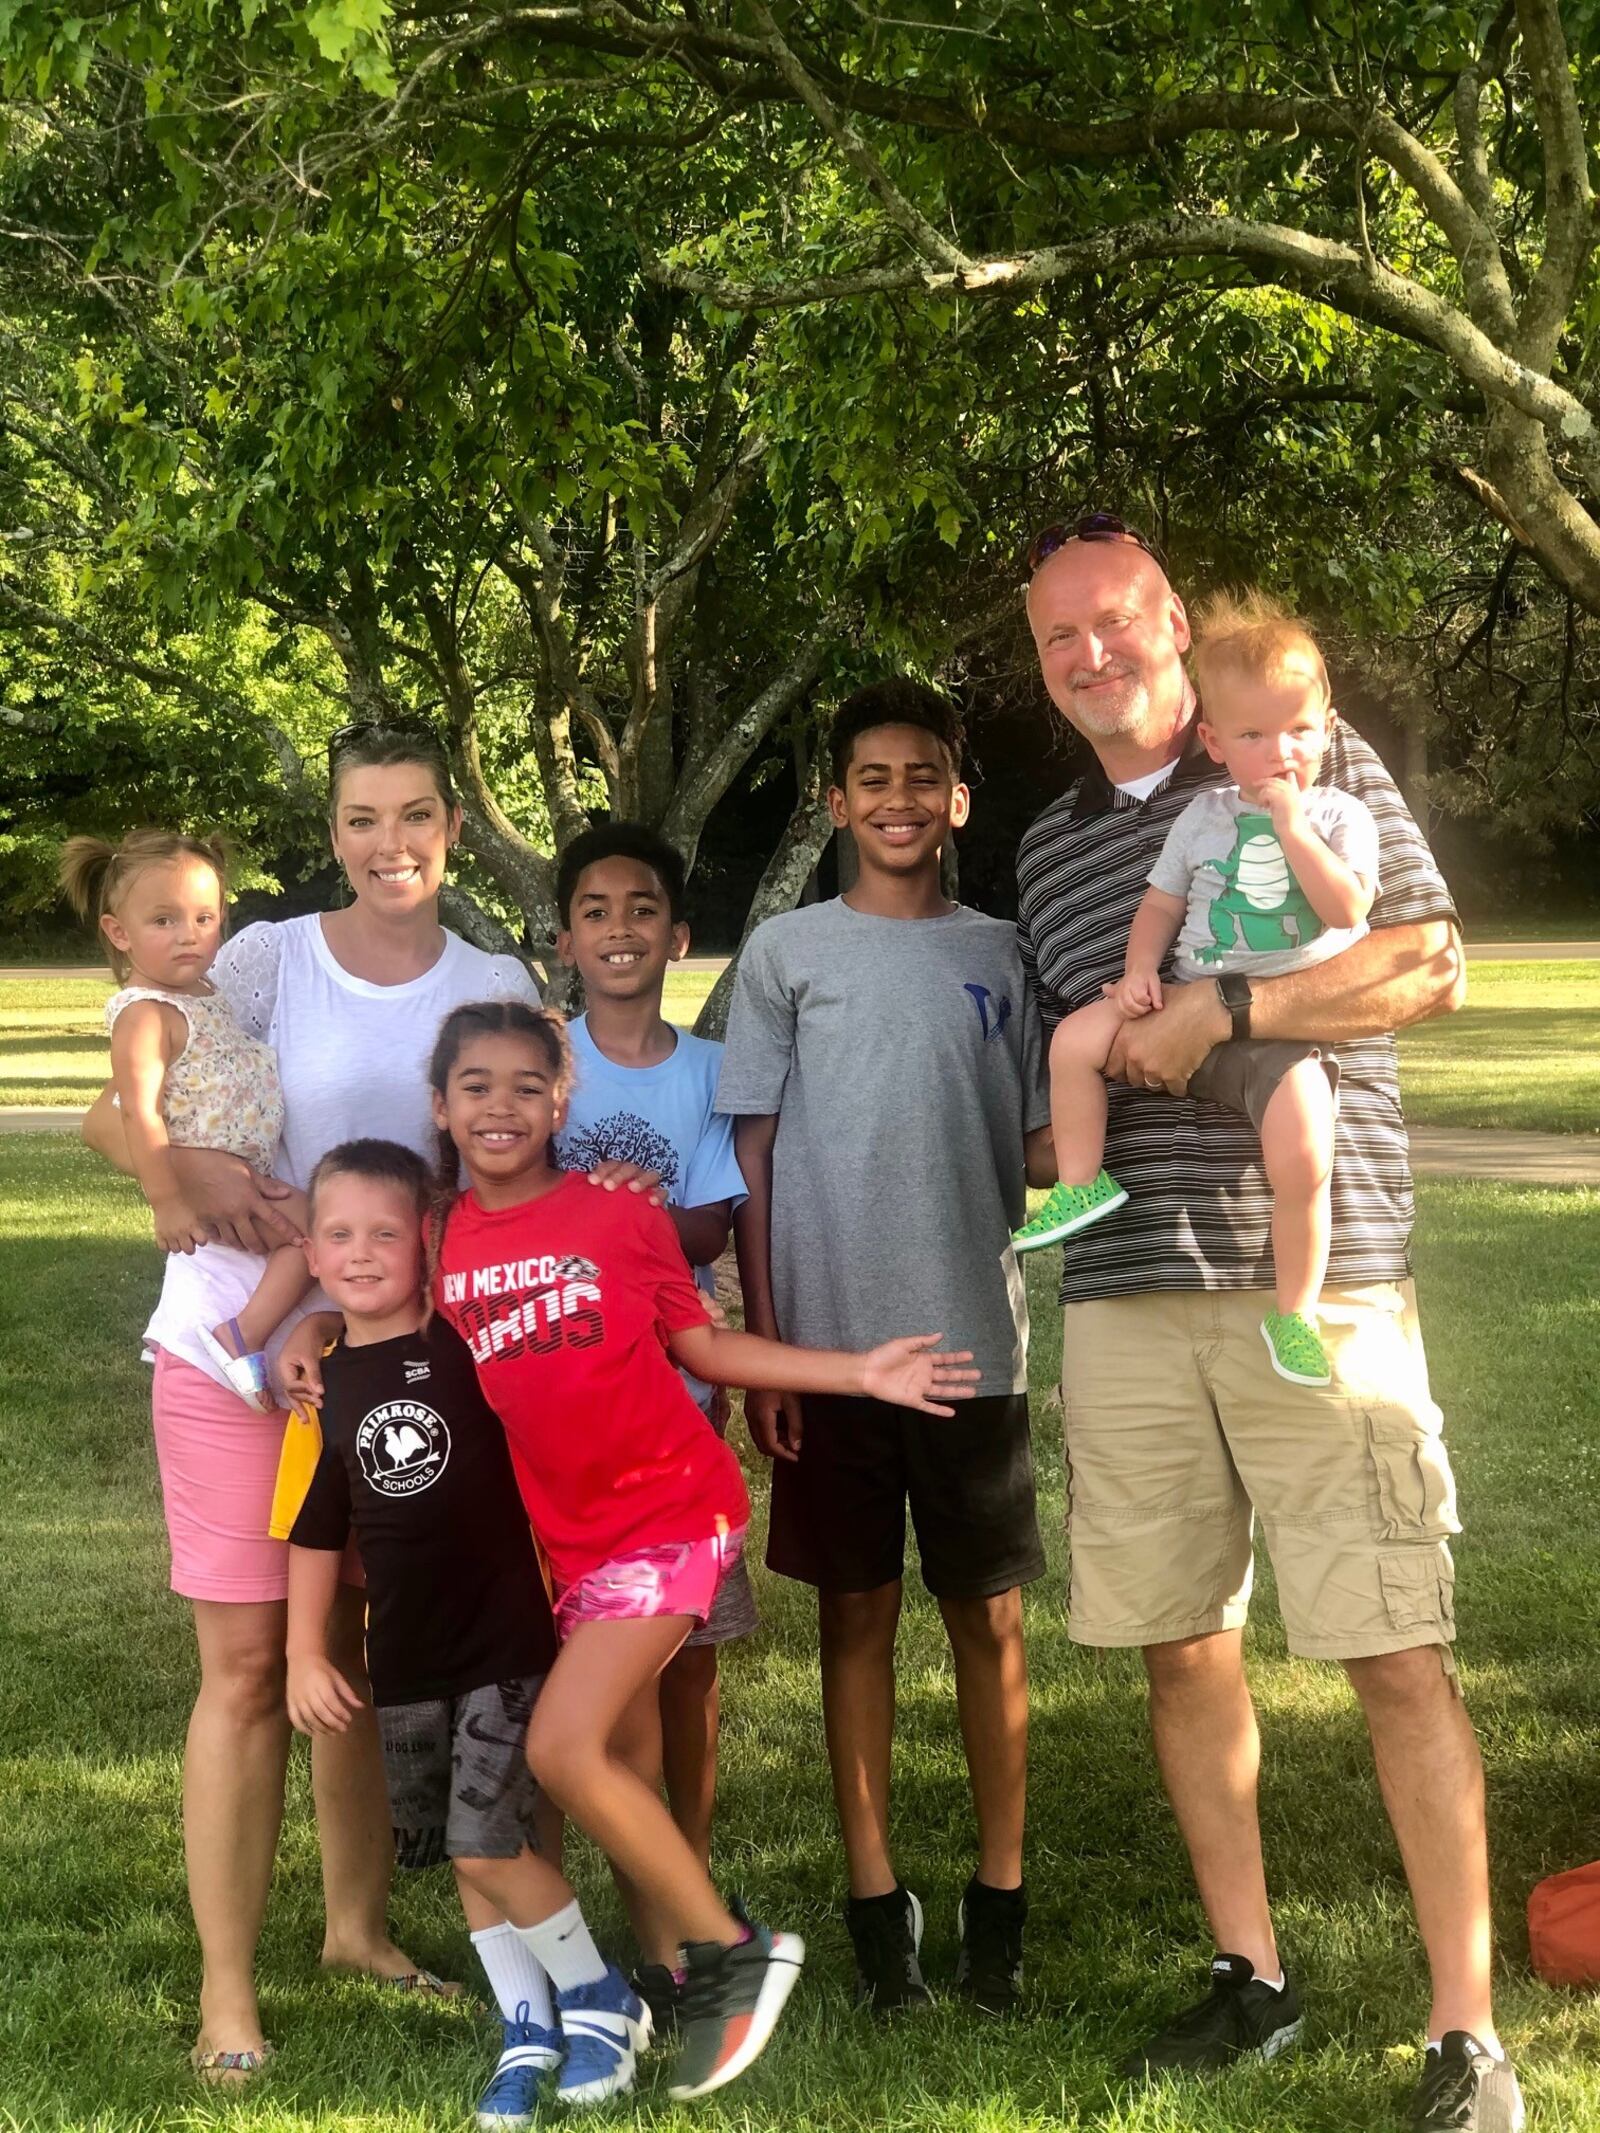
point(1564, 1927)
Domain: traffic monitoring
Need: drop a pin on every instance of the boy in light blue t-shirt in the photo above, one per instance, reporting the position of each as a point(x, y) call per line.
point(644, 1092)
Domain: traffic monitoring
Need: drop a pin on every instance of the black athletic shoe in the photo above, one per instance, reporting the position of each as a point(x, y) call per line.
point(1237, 2019)
point(658, 1987)
point(886, 1933)
point(989, 1967)
point(1463, 2087)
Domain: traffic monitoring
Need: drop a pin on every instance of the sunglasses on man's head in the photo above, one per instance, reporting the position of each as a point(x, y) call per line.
point(1094, 526)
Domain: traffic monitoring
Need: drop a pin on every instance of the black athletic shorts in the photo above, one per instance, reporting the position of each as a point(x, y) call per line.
point(839, 1511)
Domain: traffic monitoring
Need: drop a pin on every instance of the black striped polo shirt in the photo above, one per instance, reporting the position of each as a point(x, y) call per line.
point(1199, 1210)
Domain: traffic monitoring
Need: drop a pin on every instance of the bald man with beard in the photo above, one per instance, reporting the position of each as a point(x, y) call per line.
point(1178, 1434)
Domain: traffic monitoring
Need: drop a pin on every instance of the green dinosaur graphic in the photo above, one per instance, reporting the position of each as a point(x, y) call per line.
point(1261, 907)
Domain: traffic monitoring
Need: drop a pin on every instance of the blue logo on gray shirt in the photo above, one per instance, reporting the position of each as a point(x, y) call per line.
point(993, 1014)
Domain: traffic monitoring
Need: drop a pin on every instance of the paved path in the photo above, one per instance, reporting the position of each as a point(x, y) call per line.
point(1532, 951)
point(1436, 1151)
point(1517, 1158)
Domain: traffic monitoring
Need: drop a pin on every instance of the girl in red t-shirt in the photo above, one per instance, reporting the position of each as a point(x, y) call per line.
point(576, 1304)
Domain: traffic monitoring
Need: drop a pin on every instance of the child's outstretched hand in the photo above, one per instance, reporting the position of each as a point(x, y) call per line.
point(909, 1373)
point(320, 1699)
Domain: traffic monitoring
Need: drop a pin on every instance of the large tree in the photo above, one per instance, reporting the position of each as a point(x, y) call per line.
point(1422, 168)
point(388, 375)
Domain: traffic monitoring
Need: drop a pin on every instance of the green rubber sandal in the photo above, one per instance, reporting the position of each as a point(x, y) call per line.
point(1296, 1348)
point(1068, 1209)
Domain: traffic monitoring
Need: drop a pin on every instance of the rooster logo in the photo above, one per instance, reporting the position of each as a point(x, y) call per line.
point(403, 1448)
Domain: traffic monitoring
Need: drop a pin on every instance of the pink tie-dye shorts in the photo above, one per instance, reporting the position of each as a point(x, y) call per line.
point(680, 1578)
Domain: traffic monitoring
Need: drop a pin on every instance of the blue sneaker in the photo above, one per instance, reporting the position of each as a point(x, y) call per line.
point(512, 2096)
point(605, 2026)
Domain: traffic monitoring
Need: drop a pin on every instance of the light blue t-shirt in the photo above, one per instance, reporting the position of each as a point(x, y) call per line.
point(662, 1117)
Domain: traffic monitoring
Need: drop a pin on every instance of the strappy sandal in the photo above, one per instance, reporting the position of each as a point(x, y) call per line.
point(245, 1369)
point(423, 1983)
point(228, 2070)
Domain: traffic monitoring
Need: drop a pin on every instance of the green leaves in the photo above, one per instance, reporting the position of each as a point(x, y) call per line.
point(354, 33)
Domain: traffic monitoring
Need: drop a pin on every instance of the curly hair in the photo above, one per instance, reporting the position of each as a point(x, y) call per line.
point(546, 1027)
point(897, 700)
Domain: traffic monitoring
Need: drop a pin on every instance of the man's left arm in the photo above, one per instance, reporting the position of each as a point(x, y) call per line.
point(1408, 968)
point(1391, 977)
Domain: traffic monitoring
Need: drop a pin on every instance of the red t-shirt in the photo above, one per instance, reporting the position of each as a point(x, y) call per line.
point(566, 1303)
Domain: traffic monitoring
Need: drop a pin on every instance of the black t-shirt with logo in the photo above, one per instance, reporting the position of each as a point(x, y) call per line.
point(416, 1460)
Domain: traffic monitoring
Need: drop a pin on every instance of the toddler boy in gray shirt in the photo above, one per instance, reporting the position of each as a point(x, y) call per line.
point(1270, 874)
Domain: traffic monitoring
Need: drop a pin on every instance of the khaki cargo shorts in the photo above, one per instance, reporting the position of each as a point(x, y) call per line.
point(1178, 1430)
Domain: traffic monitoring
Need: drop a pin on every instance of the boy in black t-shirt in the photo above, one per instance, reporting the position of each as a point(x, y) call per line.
point(459, 1632)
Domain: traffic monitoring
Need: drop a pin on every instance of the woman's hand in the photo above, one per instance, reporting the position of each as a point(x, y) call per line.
point(320, 1699)
point(611, 1174)
point(909, 1373)
point(236, 1206)
point(179, 1227)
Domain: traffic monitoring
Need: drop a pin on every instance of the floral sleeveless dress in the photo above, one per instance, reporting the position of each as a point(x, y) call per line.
point(222, 1091)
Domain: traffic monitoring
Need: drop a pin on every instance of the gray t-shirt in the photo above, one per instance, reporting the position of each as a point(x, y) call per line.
point(1245, 909)
point(904, 1059)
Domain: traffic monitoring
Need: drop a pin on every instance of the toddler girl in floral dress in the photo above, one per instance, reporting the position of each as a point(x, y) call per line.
point(186, 1074)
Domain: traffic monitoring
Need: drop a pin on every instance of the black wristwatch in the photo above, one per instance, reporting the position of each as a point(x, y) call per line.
point(1234, 991)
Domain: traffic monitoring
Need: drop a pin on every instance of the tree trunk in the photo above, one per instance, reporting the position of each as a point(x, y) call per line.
point(778, 890)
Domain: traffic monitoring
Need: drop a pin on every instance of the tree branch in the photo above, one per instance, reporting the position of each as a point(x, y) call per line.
point(931, 243)
point(706, 778)
point(1316, 266)
point(1568, 198)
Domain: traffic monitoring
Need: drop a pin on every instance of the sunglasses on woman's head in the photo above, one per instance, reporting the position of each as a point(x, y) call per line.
point(1094, 526)
point(347, 737)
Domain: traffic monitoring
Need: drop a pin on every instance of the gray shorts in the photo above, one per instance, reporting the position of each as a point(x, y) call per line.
point(458, 1776)
point(1245, 1073)
point(733, 1608)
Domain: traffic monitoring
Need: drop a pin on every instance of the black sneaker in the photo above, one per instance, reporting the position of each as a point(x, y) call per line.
point(886, 1933)
point(730, 2006)
point(1237, 2019)
point(989, 1967)
point(658, 1987)
point(1463, 2087)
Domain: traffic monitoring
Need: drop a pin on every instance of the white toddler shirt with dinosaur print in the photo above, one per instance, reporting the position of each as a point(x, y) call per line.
point(1244, 908)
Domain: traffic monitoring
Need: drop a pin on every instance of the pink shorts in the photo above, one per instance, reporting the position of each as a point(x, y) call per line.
point(680, 1578)
point(218, 1457)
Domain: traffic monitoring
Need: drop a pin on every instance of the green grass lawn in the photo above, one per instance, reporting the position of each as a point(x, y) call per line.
point(97, 1968)
point(1524, 1052)
point(53, 1039)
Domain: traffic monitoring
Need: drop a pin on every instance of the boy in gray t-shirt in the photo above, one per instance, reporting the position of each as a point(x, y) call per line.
point(885, 1067)
point(1270, 874)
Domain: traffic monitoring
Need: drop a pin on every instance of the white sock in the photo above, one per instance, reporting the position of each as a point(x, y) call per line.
point(515, 1975)
point(562, 1943)
point(1496, 2052)
point(1273, 1984)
